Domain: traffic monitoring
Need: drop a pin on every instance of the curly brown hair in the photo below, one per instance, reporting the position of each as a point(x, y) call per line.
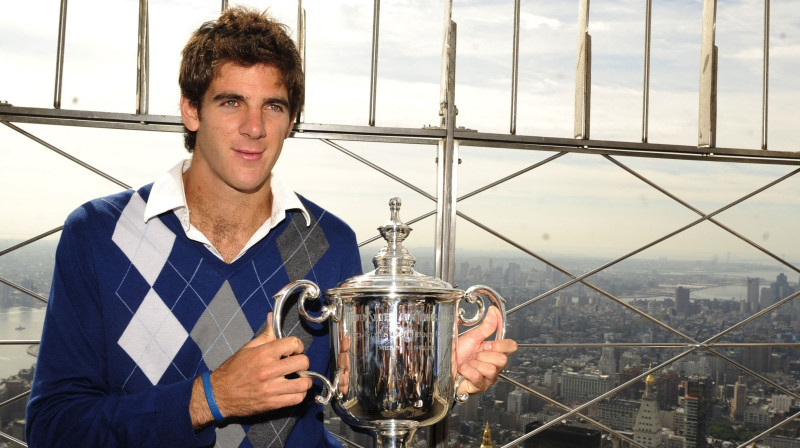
point(245, 37)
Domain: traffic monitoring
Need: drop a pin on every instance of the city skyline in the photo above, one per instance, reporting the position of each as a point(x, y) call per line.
point(578, 316)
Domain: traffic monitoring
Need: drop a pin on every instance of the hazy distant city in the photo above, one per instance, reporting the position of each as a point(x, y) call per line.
point(697, 400)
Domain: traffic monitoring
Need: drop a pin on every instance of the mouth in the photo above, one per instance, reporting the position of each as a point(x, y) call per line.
point(248, 155)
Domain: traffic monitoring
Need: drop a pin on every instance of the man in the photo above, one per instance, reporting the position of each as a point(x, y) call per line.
point(157, 331)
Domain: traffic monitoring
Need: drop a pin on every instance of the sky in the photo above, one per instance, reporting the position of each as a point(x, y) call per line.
point(577, 204)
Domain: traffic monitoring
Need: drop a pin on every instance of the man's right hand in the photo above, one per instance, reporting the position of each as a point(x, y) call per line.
point(253, 380)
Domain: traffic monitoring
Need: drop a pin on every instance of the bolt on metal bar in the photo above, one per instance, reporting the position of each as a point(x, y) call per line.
point(62, 31)
point(567, 408)
point(66, 155)
point(648, 22)
point(143, 60)
point(719, 224)
point(23, 289)
point(583, 73)
point(765, 79)
point(373, 77)
point(707, 122)
point(515, 69)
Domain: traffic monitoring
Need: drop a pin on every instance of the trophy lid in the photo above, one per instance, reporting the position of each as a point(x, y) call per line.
point(394, 266)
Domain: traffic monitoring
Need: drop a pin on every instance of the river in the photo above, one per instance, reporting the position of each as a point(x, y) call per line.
point(18, 323)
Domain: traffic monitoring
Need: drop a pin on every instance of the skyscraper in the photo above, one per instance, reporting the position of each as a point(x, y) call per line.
point(694, 404)
point(682, 299)
point(753, 292)
point(739, 400)
point(647, 428)
point(608, 362)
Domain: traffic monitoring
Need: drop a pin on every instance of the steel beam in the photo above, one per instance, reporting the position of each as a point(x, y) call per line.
point(583, 73)
point(143, 60)
point(707, 120)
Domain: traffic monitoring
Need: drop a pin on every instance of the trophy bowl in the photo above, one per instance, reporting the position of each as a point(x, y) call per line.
point(393, 338)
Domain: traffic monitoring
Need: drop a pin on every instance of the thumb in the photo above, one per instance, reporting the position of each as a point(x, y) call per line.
point(487, 326)
point(268, 335)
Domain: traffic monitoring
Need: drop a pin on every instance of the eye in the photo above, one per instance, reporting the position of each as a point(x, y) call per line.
point(274, 107)
point(230, 103)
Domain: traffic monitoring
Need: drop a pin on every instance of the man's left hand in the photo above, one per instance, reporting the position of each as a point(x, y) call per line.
point(481, 361)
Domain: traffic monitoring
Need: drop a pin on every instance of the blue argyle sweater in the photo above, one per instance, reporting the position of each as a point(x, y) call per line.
point(137, 311)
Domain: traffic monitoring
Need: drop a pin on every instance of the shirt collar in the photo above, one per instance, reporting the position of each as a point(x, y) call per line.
point(168, 195)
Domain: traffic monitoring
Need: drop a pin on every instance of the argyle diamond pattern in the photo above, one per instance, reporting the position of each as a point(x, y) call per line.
point(153, 337)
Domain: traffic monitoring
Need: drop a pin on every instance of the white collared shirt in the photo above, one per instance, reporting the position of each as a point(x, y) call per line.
point(168, 194)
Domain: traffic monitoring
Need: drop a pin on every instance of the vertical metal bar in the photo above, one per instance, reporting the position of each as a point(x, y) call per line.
point(301, 48)
point(143, 60)
point(62, 31)
point(443, 82)
point(447, 161)
point(515, 70)
point(646, 88)
point(765, 79)
point(582, 73)
point(446, 182)
point(373, 78)
point(708, 72)
point(224, 5)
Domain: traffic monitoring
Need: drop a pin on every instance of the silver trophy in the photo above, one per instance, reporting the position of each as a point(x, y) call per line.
point(393, 335)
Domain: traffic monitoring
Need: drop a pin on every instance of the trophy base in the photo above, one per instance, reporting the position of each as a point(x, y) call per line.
point(394, 433)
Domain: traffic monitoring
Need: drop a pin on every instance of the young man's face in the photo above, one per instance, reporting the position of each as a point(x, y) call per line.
point(240, 132)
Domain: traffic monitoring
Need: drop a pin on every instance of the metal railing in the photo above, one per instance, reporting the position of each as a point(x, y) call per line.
point(448, 137)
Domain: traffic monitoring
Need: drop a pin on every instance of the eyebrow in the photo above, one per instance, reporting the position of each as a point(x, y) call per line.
point(227, 96)
point(280, 101)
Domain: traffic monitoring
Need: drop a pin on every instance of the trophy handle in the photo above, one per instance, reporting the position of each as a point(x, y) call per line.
point(472, 295)
point(307, 289)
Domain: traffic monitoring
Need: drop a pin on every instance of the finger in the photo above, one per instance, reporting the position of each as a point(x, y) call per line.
point(498, 360)
point(284, 400)
point(475, 380)
point(506, 346)
point(489, 325)
point(288, 365)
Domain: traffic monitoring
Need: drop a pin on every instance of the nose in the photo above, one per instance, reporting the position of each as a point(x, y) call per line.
point(253, 124)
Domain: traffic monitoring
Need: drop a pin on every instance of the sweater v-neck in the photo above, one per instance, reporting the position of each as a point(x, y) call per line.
point(228, 269)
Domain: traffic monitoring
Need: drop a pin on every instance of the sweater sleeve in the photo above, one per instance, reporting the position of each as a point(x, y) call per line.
point(71, 403)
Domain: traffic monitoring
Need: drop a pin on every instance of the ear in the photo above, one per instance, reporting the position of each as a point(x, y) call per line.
point(189, 115)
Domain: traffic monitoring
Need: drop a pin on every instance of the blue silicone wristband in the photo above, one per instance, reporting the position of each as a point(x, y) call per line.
point(212, 403)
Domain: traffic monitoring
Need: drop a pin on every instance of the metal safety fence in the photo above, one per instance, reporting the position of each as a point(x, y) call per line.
point(445, 201)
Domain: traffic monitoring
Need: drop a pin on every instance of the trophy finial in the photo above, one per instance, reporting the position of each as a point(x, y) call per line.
point(394, 257)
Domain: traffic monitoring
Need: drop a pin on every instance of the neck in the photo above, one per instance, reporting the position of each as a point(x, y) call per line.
point(227, 217)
